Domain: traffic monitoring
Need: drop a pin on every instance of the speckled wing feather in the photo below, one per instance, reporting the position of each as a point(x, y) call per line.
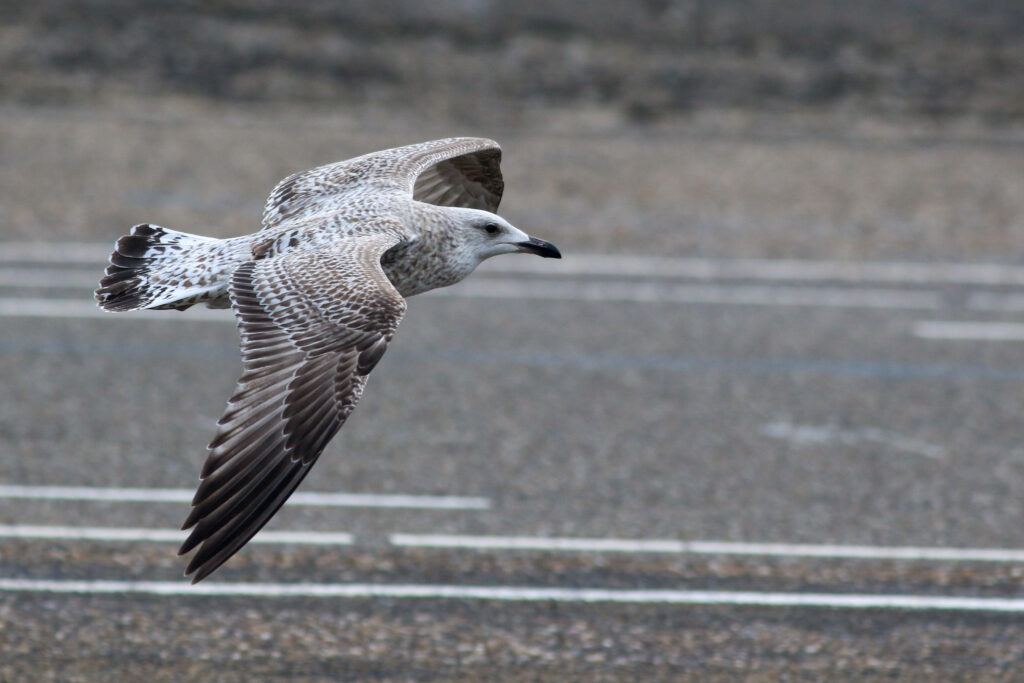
point(451, 172)
point(313, 323)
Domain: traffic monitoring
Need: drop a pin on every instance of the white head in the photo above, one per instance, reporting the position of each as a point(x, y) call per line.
point(485, 234)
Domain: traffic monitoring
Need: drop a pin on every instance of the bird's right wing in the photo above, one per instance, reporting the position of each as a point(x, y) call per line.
point(313, 324)
point(451, 172)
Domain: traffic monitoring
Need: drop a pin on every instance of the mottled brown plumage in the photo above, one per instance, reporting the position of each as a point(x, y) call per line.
point(318, 294)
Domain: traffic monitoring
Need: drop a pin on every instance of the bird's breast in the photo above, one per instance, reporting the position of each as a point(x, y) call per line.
point(414, 267)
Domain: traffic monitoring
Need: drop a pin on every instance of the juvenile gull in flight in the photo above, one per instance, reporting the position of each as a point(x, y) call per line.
point(318, 293)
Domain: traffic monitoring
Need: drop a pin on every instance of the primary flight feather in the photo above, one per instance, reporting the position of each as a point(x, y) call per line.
point(318, 293)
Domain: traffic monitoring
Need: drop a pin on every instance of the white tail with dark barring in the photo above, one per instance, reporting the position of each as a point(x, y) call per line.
point(156, 267)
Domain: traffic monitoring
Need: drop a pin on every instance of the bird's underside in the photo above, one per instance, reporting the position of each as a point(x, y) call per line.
point(315, 309)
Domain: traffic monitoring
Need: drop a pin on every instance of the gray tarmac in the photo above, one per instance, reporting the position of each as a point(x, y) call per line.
point(776, 423)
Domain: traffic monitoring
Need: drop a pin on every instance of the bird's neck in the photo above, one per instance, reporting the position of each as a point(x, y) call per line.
point(430, 220)
point(435, 258)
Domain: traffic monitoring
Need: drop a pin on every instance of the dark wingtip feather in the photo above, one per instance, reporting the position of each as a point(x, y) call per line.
point(232, 535)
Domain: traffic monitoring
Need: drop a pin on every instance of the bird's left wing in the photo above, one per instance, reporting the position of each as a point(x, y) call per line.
point(313, 324)
point(451, 172)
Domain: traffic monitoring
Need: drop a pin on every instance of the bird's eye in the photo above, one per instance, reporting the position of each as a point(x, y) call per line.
point(492, 228)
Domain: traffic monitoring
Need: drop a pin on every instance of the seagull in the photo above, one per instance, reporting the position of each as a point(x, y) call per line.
point(318, 293)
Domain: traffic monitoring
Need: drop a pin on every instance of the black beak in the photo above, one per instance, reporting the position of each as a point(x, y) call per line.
point(540, 248)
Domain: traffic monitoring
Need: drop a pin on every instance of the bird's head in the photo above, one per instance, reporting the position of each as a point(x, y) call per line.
point(486, 234)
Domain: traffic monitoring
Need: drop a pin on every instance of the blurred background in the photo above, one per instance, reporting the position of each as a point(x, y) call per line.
point(734, 127)
point(790, 312)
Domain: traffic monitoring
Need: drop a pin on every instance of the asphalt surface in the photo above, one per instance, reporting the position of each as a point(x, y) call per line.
point(577, 409)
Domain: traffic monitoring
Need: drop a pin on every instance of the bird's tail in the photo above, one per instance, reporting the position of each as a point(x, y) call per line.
point(148, 269)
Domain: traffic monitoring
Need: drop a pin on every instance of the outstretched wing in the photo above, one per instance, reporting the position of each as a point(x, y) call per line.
point(313, 324)
point(451, 172)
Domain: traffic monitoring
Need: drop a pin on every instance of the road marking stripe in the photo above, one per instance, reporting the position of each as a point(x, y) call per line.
point(637, 266)
point(969, 331)
point(537, 543)
point(517, 593)
point(93, 253)
point(25, 307)
point(996, 301)
point(150, 495)
point(707, 547)
point(50, 278)
point(817, 434)
point(535, 288)
point(903, 272)
point(36, 307)
point(162, 535)
point(661, 292)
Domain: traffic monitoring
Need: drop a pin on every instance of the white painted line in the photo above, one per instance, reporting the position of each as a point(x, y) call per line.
point(569, 290)
point(56, 252)
point(161, 535)
point(537, 543)
point(969, 331)
point(51, 278)
point(517, 593)
point(996, 301)
point(148, 495)
point(304, 537)
point(558, 290)
point(802, 435)
point(620, 265)
point(859, 551)
point(661, 292)
point(903, 272)
point(707, 547)
point(22, 307)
